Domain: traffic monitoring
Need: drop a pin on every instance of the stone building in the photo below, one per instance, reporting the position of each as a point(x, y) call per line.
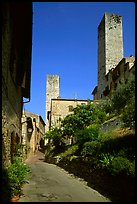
point(112, 66)
point(60, 108)
point(33, 130)
point(52, 91)
point(16, 71)
point(57, 108)
point(121, 73)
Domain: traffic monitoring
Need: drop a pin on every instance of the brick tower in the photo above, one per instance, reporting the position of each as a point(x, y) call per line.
point(110, 47)
point(52, 92)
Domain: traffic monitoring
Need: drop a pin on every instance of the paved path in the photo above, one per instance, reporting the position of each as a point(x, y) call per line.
point(50, 183)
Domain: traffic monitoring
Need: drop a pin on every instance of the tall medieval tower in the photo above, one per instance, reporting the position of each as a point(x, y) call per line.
point(110, 47)
point(52, 92)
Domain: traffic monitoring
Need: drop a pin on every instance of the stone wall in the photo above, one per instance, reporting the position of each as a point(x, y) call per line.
point(15, 72)
point(11, 95)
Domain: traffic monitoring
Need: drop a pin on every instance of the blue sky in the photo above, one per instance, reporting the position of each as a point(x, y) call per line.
point(64, 43)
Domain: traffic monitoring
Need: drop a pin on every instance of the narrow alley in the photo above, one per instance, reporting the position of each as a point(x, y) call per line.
point(50, 183)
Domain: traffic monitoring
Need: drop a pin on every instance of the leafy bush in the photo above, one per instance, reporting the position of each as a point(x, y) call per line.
point(106, 159)
point(55, 135)
point(83, 116)
point(71, 124)
point(128, 116)
point(90, 113)
point(88, 134)
point(91, 148)
point(121, 165)
point(131, 170)
point(106, 105)
point(17, 173)
point(122, 95)
point(70, 151)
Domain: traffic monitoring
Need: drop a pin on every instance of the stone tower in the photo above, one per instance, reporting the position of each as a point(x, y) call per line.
point(52, 92)
point(110, 47)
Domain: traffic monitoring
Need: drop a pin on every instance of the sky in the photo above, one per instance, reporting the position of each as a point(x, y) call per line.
point(65, 43)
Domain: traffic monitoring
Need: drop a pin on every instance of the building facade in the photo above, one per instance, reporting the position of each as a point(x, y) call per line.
point(16, 72)
point(118, 75)
point(60, 108)
point(33, 130)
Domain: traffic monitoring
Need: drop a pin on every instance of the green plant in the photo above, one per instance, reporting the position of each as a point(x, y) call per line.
point(71, 124)
point(106, 159)
point(55, 136)
point(70, 151)
point(88, 134)
point(131, 170)
point(19, 149)
point(122, 95)
point(91, 148)
point(90, 113)
point(106, 105)
point(128, 116)
point(17, 173)
point(121, 165)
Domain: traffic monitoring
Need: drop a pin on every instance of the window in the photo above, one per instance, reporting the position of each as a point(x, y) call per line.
point(70, 108)
point(48, 115)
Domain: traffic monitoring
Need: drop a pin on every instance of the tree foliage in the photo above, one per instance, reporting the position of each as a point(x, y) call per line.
point(55, 135)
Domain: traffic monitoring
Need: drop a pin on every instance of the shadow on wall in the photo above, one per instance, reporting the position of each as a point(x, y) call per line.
point(6, 188)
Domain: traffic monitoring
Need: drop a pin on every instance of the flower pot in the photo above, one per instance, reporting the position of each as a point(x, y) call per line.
point(15, 199)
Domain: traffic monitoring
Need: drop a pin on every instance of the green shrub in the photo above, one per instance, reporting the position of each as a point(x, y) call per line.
point(121, 165)
point(131, 170)
point(55, 135)
point(70, 151)
point(90, 113)
point(71, 124)
point(106, 105)
point(122, 95)
point(17, 173)
point(106, 159)
point(83, 116)
point(128, 116)
point(123, 152)
point(88, 134)
point(91, 148)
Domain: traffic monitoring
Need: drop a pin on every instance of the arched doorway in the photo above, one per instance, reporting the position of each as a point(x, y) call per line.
point(15, 140)
point(13, 145)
